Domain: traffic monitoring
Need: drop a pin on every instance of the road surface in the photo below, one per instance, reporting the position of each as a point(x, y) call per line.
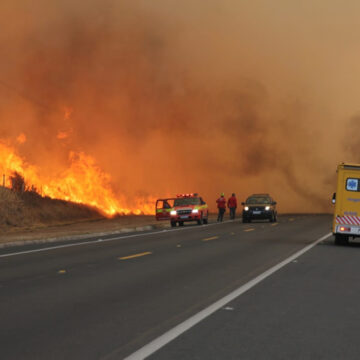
point(107, 298)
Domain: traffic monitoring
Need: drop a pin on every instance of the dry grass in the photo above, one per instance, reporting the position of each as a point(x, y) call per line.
point(11, 208)
point(29, 209)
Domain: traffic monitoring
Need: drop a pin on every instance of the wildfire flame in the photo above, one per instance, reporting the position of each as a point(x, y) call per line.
point(83, 182)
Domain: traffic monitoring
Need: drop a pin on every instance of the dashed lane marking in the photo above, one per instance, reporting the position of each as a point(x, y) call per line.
point(210, 238)
point(62, 272)
point(247, 230)
point(135, 255)
point(291, 219)
point(275, 224)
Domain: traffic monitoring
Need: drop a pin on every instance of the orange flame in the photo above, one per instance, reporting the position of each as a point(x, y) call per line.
point(83, 182)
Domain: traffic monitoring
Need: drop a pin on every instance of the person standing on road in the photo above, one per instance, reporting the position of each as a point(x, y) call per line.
point(232, 205)
point(221, 204)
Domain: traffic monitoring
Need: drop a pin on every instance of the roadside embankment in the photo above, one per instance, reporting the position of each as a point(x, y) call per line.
point(82, 230)
point(28, 218)
point(27, 211)
point(79, 229)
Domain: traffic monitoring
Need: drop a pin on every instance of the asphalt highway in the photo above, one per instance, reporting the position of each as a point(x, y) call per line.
point(107, 298)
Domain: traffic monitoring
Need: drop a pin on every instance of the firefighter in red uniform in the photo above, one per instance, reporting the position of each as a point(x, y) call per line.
point(232, 205)
point(221, 204)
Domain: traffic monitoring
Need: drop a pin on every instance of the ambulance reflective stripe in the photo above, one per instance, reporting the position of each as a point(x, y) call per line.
point(348, 220)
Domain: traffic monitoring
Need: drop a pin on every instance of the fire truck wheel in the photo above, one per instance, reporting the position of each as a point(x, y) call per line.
point(181, 223)
point(173, 223)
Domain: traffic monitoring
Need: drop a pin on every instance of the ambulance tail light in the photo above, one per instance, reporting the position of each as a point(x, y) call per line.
point(345, 229)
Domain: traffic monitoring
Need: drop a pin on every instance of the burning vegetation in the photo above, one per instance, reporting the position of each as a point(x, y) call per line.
point(83, 182)
point(23, 207)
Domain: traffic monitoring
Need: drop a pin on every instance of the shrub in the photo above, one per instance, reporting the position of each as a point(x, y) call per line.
point(17, 182)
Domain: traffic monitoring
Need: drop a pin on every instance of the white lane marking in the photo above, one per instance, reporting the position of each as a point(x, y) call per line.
point(97, 241)
point(164, 339)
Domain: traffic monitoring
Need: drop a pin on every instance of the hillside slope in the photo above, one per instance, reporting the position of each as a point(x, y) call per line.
point(29, 209)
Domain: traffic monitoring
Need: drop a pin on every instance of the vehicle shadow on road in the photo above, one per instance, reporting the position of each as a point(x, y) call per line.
point(350, 244)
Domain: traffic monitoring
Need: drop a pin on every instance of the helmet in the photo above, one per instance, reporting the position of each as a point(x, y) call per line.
point(222, 194)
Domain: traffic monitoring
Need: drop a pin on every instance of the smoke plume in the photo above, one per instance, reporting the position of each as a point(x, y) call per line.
point(190, 96)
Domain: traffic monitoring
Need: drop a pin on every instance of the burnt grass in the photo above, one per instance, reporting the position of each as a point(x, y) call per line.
point(30, 209)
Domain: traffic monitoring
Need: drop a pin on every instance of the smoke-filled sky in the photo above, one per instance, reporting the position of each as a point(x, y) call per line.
point(183, 96)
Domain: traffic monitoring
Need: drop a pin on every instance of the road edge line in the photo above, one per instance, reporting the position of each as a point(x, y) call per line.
point(95, 240)
point(173, 333)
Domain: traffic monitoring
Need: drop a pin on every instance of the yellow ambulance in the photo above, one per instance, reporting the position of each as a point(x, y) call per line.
point(346, 223)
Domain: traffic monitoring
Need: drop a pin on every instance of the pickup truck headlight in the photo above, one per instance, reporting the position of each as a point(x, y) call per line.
point(267, 208)
point(246, 208)
point(195, 211)
point(173, 212)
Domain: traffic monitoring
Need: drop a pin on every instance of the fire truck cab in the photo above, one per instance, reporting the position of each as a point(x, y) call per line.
point(346, 222)
point(189, 207)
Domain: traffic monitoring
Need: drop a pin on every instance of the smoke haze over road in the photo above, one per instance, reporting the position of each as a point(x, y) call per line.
point(168, 97)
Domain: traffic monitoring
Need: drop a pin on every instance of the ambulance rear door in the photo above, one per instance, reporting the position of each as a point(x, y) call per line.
point(348, 195)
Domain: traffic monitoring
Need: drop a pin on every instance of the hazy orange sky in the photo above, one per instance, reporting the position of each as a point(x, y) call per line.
point(169, 96)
